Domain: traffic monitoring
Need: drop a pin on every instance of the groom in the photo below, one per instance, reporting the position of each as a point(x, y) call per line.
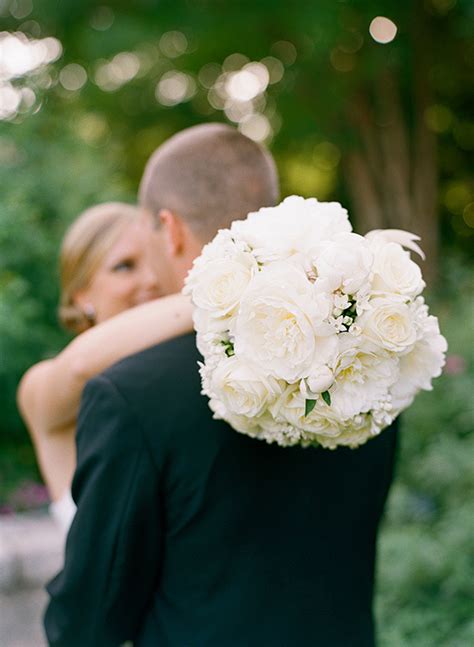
point(187, 533)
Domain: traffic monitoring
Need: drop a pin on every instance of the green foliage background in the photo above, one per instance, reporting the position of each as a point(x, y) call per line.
point(74, 149)
point(426, 555)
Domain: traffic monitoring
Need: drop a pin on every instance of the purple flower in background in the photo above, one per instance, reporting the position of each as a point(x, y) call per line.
point(455, 365)
point(29, 495)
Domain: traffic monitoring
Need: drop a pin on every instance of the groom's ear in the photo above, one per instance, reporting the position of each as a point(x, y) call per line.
point(173, 228)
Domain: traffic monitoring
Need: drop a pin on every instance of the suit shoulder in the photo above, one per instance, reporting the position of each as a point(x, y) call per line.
point(165, 361)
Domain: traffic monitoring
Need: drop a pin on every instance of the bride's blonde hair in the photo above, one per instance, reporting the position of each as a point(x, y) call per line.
point(84, 246)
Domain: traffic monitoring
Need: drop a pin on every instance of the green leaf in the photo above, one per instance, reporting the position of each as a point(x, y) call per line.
point(309, 406)
point(326, 397)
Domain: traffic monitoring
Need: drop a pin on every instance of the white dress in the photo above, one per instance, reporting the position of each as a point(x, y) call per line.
point(63, 511)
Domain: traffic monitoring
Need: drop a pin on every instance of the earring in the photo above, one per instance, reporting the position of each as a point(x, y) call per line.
point(89, 314)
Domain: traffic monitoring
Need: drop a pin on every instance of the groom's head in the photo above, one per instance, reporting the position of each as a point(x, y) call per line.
point(198, 182)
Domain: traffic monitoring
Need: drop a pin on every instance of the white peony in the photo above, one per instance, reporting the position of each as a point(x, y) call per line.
point(290, 408)
point(242, 389)
point(424, 362)
point(223, 245)
point(389, 323)
point(344, 263)
point(394, 271)
point(243, 424)
point(218, 285)
point(277, 324)
point(362, 378)
point(291, 305)
point(354, 434)
point(292, 229)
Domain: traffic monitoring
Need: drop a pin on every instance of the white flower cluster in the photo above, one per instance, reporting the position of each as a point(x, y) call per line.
point(311, 334)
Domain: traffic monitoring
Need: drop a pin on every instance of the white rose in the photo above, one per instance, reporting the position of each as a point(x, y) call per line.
point(394, 271)
point(291, 229)
point(277, 324)
point(242, 389)
point(218, 285)
point(344, 262)
point(389, 323)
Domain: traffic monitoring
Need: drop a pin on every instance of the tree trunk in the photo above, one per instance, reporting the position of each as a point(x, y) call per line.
point(392, 180)
point(425, 163)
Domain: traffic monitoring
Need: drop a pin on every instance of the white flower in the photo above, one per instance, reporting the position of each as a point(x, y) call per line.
point(363, 377)
point(277, 324)
point(389, 323)
point(290, 408)
point(291, 229)
point(319, 380)
point(394, 271)
point(424, 362)
point(379, 237)
point(205, 322)
point(358, 432)
point(223, 245)
point(242, 389)
point(289, 305)
point(344, 262)
point(218, 285)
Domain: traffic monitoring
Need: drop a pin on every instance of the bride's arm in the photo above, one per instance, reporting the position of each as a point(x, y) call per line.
point(49, 393)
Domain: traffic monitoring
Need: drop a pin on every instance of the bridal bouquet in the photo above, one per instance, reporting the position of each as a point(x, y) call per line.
point(311, 334)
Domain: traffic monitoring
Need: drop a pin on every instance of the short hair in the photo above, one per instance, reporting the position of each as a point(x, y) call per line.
point(84, 246)
point(209, 175)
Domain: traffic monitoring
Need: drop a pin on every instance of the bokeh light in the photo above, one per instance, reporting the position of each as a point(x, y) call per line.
point(93, 128)
point(175, 87)
point(275, 68)
point(21, 56)
point(351, 41)
point(457, 196)
point(10, 99)
point(342, 61)
point(468, 215)
point(443, 6)
point(72, 77)
point(383, 30)
point(209, 74)
point(326, 156)
point(173, 44)
point(257, 127)
point(111, 75)
point(234, 62)
point(102, 18)
point(20, 9)
point(247, 83)
point(239, 89)
point(438, 118)
point(284, 51)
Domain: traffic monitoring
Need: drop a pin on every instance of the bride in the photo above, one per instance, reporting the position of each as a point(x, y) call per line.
point(109, 290)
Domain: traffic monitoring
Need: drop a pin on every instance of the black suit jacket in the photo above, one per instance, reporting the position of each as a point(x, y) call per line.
point(189, 534)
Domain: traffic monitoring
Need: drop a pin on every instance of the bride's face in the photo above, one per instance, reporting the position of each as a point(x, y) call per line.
point(126, 277)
